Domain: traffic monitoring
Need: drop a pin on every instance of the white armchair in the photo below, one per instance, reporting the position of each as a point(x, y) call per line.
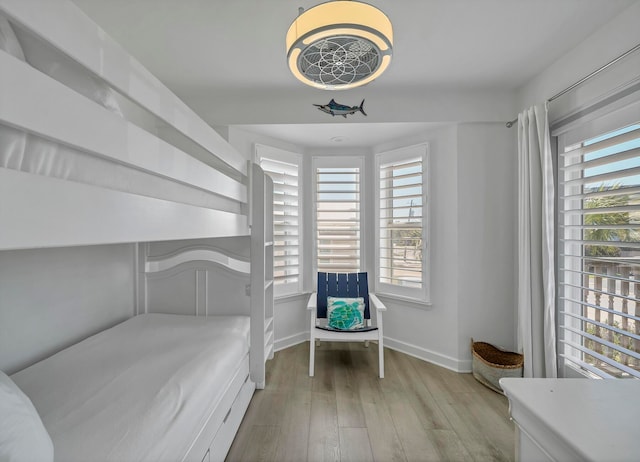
point(345, 285)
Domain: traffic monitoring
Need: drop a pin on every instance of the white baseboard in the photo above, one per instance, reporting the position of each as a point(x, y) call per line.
point(465, 366)
point(286, 342)
point(456, 365)
point(433, 357)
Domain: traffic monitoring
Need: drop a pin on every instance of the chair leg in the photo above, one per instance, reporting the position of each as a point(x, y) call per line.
point(312, 355)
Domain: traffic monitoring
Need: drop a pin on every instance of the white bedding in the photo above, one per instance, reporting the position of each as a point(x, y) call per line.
point(32, 154)
point(138, 391)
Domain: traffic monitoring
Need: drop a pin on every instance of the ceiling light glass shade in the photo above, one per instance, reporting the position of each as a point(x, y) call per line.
point(339, 45)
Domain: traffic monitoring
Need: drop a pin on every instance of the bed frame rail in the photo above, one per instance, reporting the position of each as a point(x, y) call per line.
point(47, 215)
point(33, 102)
point(65, 27)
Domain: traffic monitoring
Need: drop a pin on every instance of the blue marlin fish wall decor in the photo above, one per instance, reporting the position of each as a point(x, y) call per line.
point(335, 109)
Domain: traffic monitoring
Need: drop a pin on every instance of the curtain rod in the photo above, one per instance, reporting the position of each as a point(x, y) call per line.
point(584, 79)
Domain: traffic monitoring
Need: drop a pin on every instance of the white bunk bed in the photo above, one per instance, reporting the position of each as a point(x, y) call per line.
point(95, 150)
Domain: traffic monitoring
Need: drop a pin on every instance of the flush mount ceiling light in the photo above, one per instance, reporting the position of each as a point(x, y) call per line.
point(339, 45)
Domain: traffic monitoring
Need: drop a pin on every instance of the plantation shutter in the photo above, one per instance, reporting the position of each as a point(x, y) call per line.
point(338, 219)
point(599, 253)
point(286, 222)
point(401, 222)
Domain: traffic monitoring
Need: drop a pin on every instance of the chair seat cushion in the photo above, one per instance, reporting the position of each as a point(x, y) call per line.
point(345, 313)
point(359, 329)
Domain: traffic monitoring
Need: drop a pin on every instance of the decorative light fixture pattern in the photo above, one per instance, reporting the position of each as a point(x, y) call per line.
point(339, 45)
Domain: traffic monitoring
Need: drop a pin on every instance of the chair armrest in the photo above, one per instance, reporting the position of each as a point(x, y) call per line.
point(313, 301)
point(377, 304)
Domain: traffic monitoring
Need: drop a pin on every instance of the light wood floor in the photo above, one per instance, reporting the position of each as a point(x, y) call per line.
point(418, 412)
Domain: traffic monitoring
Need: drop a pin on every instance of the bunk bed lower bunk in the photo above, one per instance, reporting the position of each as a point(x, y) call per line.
point(155, 387)
point(95, 151)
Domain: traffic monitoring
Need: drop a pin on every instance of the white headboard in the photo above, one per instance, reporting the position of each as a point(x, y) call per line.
point(203, 277)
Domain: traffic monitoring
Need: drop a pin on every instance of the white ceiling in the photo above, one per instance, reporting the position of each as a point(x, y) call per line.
point(214, 47)
point(338, 135)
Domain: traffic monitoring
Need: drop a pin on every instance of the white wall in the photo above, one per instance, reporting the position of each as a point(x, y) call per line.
point(291, 323)
point(407, 104)
point(473, 197)
point(430, 332)
point(472, 248)
point(605, 44)
point(487, 200)
point(52, 298)
point(473, 219)
point(245, 141)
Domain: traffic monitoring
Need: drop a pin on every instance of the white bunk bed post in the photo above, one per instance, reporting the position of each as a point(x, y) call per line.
point(262, 334)
point(140, 255)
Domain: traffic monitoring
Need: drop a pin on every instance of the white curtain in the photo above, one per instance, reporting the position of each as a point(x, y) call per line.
point(536, 279)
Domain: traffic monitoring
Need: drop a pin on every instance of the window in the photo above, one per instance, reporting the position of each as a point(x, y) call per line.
point(283, 169)
point(401, 222)
point(337, 201)
point(599, 250)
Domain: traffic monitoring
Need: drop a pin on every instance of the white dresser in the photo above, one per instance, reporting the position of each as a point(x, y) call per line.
point(575, 419)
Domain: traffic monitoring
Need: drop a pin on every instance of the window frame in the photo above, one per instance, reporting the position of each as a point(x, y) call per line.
point(569, 275)
point(282, 290)
point(422, 294)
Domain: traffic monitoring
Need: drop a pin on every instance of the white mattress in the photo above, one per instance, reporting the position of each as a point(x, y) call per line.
point(138, 391)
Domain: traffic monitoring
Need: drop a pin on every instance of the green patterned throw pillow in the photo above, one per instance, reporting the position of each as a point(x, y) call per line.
point(345, 313)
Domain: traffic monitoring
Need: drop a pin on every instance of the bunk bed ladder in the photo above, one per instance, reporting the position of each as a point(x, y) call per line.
point(262, 325)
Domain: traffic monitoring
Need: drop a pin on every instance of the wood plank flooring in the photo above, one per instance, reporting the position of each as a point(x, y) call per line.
point(418, 412)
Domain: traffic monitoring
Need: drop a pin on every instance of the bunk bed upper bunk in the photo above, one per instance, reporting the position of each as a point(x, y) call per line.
point(74, 170)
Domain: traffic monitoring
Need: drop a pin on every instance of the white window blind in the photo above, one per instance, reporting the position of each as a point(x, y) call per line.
point(401, 223)
point(338, 219)
point(402, 217)
point(286, 223)
point(599, 253)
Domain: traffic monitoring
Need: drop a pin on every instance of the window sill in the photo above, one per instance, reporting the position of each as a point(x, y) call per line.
point(412, 302)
